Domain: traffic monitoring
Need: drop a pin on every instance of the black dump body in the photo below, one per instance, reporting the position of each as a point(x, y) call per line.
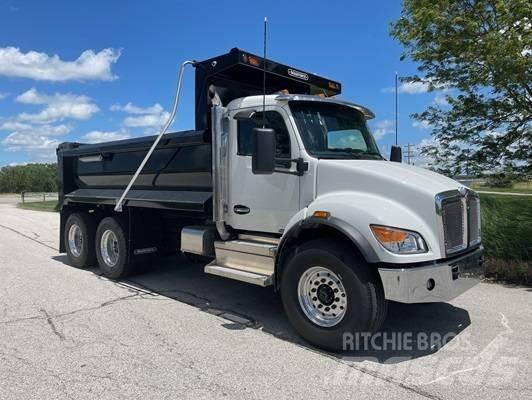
point(178, 176)
point(240, 73)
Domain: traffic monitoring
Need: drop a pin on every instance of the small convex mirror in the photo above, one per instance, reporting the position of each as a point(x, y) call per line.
point(396, 154)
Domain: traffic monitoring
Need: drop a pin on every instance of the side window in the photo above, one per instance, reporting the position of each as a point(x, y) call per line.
point(245, 129)
point(273, 120)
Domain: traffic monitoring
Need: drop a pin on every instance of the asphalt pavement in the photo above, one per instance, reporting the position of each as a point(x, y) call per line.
point(177, 333)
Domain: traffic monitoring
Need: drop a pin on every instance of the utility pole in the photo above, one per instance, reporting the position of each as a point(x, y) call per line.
point(409, 152)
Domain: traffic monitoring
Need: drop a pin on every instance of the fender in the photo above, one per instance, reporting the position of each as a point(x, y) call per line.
point(341, 226)
point(351, 214)
point(350, 232)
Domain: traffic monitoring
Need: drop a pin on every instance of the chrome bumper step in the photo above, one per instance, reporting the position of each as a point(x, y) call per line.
point(245, 259)
point(239, 275)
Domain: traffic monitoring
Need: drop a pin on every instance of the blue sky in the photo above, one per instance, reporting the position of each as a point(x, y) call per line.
point(96, 70)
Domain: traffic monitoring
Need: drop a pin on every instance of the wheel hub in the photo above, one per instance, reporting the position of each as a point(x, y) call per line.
point(75, 240)
point(109, 248)
point(325, 294)
point(322, 296)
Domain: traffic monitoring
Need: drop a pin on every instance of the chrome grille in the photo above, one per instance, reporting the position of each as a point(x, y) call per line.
point(453, 224)
point(473, 220)
point(459, 213)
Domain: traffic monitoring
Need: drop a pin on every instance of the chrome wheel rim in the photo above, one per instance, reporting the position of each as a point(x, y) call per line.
point(322, 296)
point(109, 248)
point(75, 240)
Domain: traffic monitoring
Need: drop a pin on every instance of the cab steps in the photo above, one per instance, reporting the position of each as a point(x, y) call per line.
point(249, 259)
point(239, 275)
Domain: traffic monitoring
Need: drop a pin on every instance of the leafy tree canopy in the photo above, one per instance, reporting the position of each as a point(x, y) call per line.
point(28, 178)
point(479, 52)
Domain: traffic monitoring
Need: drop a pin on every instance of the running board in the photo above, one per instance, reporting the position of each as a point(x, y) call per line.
point(239, 275)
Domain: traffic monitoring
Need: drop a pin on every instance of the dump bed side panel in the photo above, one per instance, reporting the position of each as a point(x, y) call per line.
point(178, 175)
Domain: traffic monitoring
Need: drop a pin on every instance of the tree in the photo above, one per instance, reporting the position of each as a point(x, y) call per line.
point(28, 178)
point(480, 53)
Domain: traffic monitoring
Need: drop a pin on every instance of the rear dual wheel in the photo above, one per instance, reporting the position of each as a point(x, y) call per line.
point(106, 245)
point(111, 248)
point(79, 240)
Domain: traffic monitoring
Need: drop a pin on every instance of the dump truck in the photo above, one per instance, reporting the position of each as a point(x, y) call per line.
point(280, 184)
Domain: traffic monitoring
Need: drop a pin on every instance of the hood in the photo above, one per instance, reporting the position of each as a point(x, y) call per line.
point(386, 178)
point(384, 193)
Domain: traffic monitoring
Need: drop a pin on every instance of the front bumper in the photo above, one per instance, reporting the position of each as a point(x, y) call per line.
point(450, 278)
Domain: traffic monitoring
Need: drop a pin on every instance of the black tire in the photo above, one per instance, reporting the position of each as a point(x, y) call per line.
point(87, 256)
point(365, 303)
point(121, 268)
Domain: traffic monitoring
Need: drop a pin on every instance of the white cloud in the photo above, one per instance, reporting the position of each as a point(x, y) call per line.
point(409, 88)
point(421, 125)
point(23, 136)
point(383, 128)
point(58, 106)
point(440, 100)
point(22, 127)
point(132, 109)
point(21, 141)
point(418, 87)
point(41, 66)
point(13, 126)
point(149, 117)
point(149, 120)
point(420, 159)
point(3, 95)
point(100, 136)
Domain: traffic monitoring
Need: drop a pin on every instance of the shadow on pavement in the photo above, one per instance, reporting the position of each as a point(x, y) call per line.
point(245, 306)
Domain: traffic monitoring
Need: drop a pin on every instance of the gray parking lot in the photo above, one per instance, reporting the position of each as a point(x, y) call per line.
point(174, 332)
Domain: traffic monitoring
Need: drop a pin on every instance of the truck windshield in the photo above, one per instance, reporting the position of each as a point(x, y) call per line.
point(332, 130)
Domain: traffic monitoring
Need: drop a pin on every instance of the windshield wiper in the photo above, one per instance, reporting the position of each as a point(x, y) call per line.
point(346, 150)
point(350, 151)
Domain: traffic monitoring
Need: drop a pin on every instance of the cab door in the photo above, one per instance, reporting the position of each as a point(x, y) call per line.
point(262, 203)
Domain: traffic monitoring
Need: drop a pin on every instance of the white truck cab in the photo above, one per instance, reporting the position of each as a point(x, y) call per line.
point(347, 184)
point(301, 199)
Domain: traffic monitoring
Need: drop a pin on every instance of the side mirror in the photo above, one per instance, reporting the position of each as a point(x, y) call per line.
point(263, 156)
point(396, 154)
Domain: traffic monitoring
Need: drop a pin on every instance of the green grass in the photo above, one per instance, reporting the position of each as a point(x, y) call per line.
point(507, 236)
point(522, 187)
point(48, 205)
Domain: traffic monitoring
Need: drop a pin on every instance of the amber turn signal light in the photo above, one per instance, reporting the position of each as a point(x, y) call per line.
point(321, 214)
point(388, 235)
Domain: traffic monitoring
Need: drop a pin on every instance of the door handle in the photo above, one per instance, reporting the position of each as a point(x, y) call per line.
point(241, 209)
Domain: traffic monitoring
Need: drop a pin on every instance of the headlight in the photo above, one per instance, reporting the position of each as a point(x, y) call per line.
point(399, 241)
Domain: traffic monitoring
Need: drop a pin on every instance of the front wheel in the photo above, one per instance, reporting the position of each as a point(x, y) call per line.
point(330, 294)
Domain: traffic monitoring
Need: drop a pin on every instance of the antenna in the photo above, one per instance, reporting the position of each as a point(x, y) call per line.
point(264, 77)
point(396, 115)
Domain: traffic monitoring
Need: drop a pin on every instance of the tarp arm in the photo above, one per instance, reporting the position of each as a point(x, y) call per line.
point(118, 206)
